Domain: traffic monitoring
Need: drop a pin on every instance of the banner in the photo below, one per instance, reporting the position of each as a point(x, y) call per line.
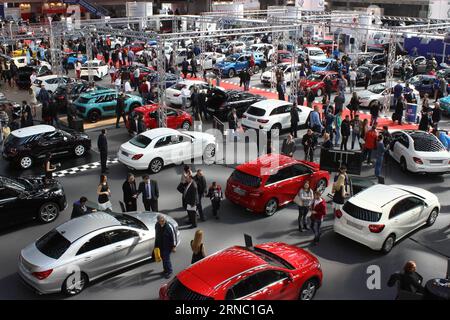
point(439, 9)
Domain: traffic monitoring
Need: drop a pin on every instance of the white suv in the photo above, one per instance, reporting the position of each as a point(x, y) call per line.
point(273, 114)
point(381, 215)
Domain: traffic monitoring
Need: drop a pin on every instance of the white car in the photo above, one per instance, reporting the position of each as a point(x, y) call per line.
point(379, 92)
point(259, 47)
point(268, 77)
point(50, 82)
point(273, 114)
point(381, 215)
point(173, 94)
point(98, 68)
point(315, 53)
point(419, 152)
point(210, 59)
point(156, 148)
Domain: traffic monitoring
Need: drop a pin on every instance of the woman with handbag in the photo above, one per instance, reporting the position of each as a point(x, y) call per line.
point(339, 189)
point(198, 249)
point(304, 201)
point(104, 193)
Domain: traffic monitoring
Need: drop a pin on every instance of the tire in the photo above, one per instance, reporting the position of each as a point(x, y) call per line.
point(71, 288)
point(271, 207)
point(308, 290)
point(432, 217)
point(403, 165)
point(94, 116)
point(25, 162)
point(388, 244)
point(79, 150)
point(231, 73)
point(276, 126)
point(156, 165)
point(319, 92)
point(48, 212)
point(185, 125)
point(321, 185)
point(209, 153)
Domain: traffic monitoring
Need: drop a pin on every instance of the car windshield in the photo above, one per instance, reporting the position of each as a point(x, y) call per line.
point(321, 63)
point(414, 79)
point(53, 244)
point(230, 59)
point(141, 141)
point(377, 89)
point(315, 53)
point(315, 77)
point(130, 221)
point(427, 143)
point(246, 179)
point(4, 181)
point(255, 111)
point(178, 86)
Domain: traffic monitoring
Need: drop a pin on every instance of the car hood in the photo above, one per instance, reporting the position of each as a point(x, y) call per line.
point(38, 186)
point(297, 257)
point(366, 94)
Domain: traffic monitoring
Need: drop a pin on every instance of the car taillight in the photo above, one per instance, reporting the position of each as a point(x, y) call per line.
point(41, 275)
point(376, 228)
point(176, 95)
point(137, 156)
point(262, 121)
point(338, 213)
point(417, 160)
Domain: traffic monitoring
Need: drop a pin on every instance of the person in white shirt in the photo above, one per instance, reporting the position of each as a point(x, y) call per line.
point(33, 77)
point(127, 87)
point(352, 74)
point(78, 69)
point(185, 94)
point(112, 73)
point(118, 83)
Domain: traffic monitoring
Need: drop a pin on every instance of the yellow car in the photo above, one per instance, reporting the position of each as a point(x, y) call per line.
point(22, 53)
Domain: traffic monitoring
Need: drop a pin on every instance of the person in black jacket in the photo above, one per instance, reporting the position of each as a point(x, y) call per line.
point(328, 87)
point(200, 180)
point(309, 142)
point(202, 104)
point(409, 280)
point(294, 120)
point(190, 196)
point(150, 193)
point(166, 241)
point(310, 97)
point(288, 147)
point(232, 123)
point(436, 115)
point(130, 193)
point(120, 109)
point(79, 208)
point(345, 132)
point(102, 145)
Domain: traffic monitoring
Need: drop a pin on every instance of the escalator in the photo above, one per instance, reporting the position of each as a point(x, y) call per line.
point(93, 8)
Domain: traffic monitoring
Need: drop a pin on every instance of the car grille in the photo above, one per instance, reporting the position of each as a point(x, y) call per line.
point(360, 213)
point(177, 291)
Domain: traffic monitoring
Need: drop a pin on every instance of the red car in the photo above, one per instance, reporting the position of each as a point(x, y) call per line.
point(271, 181)
point(315, 81)
point(284, 56)
point(175, 118)
point(270, 271)
point(144, 71)
point(136, 46)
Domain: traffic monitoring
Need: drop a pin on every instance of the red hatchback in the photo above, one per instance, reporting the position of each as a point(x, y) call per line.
point(270, 271)
point(271, 181)
point(315, 81)
point(176, 119)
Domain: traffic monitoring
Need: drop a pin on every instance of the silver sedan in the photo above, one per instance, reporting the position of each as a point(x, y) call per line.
point(87, 248)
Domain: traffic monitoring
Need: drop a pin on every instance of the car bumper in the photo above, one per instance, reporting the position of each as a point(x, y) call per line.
point(38, 286)
point(254, 125)
point(429, 168)
point(131, 164)
point(251, 204)
point(372, 240)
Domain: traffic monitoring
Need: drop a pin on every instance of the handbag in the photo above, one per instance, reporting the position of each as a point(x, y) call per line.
point(181, 187)
point(157, 254)
point(297, 200)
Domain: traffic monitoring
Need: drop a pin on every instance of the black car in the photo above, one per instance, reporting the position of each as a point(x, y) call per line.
point(375, 72)
point(377, 58)
point(220, 103)
point(71, 91)
point(26, 146)
point(29, 198)
point(23, 75)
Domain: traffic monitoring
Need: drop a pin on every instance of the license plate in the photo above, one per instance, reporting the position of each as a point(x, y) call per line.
point(436, 161)
point(239, 191)
point(126, 154)
point(354, 225)
point(251, 119)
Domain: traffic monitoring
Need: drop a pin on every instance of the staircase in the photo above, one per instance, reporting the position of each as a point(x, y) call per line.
point(93, 8)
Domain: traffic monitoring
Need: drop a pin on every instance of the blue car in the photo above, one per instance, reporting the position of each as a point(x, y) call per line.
point(235, 63)
point(73, 57)
point(425, 84)
point(324, 65)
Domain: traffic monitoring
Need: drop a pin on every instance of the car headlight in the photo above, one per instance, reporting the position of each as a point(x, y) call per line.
point(58, 192)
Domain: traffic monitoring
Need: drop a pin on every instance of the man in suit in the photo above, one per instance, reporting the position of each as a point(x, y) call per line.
point(190, 197)
point(130, 193)
point(150, 193)
point(288, 147)
point(80, 208)
point(102, 144)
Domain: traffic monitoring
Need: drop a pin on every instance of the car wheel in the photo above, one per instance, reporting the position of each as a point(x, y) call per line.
point(156, 165)
point(25, 162)
point(185, 125)
point(48, 212)
point(388, 244)
point(321, 185)
point(209, 153)
point(79, 150)
point(319, 92)
point(94, 116)
point(403, 165)
point(271, 207)
point(231, 73)
point(308, 290)
point(432, 217)
point(73, 285)
point(276, 126)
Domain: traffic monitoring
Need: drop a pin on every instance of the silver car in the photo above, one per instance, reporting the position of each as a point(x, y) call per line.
point(89, 247)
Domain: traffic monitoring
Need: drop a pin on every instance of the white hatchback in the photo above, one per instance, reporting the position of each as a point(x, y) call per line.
point(156, 148)
point(98, 68)
point(380, 215)
point(51, 83)
point(273, 114)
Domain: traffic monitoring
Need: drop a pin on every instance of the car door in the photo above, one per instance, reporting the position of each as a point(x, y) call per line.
point(302, 116)
point(186, 147)
point(300, 174)
point(52, 142)
point(96, 256)
point(405, 216)
point(10, 207)
point(109, 104)
point(285, 116)
point(276, 285)
point(165, 149)
point(279, 185)
point(401, 147)
point(242, 63)
point(127, 245)
point(249, 288)
point(172, 118)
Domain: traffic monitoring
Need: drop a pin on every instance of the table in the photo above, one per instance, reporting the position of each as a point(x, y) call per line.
point(438, 289)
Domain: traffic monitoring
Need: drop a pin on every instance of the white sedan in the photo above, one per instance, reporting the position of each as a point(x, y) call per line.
point(379, 92)
point(419, 152)
point(381, 215)
point(50, 83)
point(268, 77)
point(97, 68)
point(156, 148)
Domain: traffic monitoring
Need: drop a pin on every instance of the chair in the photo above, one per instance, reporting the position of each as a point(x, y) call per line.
point(122, 206)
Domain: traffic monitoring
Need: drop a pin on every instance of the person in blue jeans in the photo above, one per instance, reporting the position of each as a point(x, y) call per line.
point(166, 241)
point(379, 155)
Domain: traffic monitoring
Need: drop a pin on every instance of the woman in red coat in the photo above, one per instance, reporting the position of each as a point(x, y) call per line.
point(319, 211)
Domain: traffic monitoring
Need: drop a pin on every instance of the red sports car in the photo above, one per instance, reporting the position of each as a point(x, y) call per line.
point(315, 81)
point(270, 271)
point(175, 118)
point(271, 181)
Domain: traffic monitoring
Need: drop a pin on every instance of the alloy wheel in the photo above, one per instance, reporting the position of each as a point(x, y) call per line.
point(79, 150)
point(308, 291)
point(156, 165)
point(74, 284)
point(432, 218)
point(26, 162)
point(48, 212)
point(271, 207)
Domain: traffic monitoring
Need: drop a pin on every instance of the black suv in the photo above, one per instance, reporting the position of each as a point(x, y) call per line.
point(26, 146)
point(24, 199)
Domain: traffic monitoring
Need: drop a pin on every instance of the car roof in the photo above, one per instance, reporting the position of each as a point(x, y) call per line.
point(266, 164)
point(33, 130)
point(52, 76)
point(190, 82)
point(99, 92)
point(81, 226)
point(158, 132)
point(377, 196)
point(270, 104)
